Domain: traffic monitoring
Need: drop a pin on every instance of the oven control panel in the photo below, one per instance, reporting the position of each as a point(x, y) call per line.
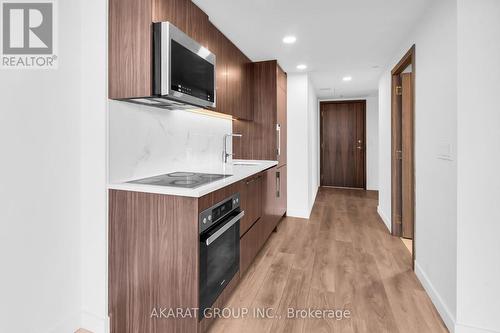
point(212, 215)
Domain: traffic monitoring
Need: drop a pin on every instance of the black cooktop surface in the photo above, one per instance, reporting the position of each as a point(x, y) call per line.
point(181, 179)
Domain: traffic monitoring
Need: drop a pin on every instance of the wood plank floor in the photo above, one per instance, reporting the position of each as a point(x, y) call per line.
point(342, 258)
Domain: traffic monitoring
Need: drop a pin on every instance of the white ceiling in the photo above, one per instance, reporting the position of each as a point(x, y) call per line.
point(335, 38)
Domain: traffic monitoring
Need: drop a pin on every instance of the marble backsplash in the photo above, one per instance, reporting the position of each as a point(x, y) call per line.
point(145, 141)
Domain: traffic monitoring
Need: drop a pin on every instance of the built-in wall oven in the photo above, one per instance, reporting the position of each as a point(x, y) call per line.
point(219, 228)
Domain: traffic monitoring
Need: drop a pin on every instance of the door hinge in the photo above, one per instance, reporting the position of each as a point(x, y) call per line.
point(399, 90)
point(399, 154)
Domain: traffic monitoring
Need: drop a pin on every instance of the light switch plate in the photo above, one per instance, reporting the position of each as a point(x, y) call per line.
point(445, 152)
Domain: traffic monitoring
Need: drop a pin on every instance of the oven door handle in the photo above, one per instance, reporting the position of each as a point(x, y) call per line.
point(226, 226)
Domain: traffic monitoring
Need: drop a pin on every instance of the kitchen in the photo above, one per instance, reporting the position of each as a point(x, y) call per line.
point(197, 164)
point(249, 166)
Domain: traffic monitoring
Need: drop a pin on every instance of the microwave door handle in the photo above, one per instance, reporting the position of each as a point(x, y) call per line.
point(226, 226)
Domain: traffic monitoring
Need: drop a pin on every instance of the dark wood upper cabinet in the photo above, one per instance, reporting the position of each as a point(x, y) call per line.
point(174, 11)
point(281, 115)
point(218, 46)
point(198, 25)
point(261, 138)
point(130, 51)
point(238, 82)
point(129, 61)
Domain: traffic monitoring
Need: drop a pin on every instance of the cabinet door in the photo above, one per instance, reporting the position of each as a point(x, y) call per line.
point(264, 94)
point(173, 11)
point(238, 98)
point(233, 82)
point(245, 87)
point(270, 202)
point(250, 194)
point(197, 24)
point(130, 50)
point(250, 244)
point(248, 88)
point(281, 175)
point(218, 45)
point(281, 127)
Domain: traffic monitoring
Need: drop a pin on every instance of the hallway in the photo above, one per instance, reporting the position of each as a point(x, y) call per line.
point(342, 258)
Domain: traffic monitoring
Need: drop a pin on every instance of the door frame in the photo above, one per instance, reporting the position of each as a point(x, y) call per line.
point(340, 101)
point(408, 59)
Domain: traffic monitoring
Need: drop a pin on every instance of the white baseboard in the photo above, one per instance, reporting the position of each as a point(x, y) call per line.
point(460, 328)
point(442, 308)
point(300, 213)
point(94, 323)
point(313, 199)
point(384, 218)
point(69, 324)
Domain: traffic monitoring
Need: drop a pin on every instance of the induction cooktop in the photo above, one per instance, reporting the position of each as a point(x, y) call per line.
point(181, 179)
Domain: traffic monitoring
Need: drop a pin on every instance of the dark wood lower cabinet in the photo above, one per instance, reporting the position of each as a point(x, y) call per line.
point(281, 174)
point(273, 201)
point(153, 261)
point(273, 198)
point(250, 244)
point(250, 193)
point(154, 250)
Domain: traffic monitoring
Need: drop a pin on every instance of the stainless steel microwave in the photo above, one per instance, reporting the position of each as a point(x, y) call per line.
point(183, 70)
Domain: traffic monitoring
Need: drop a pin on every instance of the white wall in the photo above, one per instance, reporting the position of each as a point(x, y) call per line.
point(384, 139)
point(40, 252)
point(93, 166)
point(302, 144)
point(435, 127)
point(313, 142)
point(478, 166)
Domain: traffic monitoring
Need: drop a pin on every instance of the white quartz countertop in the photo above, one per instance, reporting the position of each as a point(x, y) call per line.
point(238, 169)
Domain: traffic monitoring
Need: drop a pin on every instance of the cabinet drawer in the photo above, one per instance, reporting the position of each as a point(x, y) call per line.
point(251, 201)
point(250, 244)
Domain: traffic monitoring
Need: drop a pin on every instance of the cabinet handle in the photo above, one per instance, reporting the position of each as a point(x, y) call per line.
point(222, 230)
point(278, 184)
point(278, 137)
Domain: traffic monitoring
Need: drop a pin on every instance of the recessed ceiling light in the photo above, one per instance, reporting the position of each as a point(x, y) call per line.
point(301, 67)
point(347, 78)
point(289, 39)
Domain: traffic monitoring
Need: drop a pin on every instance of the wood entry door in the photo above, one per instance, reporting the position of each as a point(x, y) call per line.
point(404, 153)
point(343, 153)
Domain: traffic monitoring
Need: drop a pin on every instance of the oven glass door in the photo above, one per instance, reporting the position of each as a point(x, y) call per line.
point(219, 260)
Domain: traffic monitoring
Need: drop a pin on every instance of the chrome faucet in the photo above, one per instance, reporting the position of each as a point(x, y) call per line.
point(225, 154)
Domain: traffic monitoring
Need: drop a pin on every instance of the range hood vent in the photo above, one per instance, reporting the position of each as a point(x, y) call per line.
point(162, 103)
